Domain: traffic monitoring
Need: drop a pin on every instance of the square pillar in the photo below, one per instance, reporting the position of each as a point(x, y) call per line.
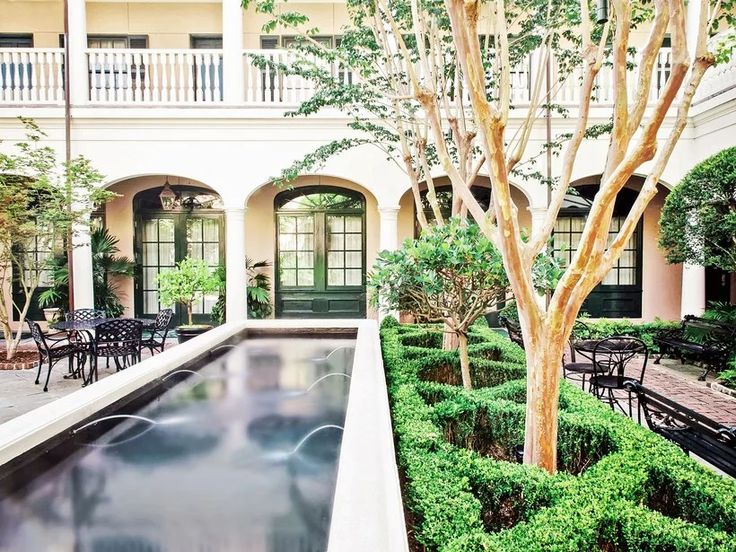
point(236, 282)
point(82, 279)
point(693, 290)
point(77, 48)
point(232, 52)
point(388, 241)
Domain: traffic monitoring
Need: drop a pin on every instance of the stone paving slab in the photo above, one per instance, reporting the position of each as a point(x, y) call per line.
point(19, 394)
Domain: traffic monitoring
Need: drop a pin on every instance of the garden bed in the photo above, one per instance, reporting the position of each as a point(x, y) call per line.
point(22, 360)
point(620, 487)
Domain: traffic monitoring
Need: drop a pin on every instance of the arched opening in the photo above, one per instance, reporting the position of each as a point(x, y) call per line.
point(192, 225)
point(320, 262)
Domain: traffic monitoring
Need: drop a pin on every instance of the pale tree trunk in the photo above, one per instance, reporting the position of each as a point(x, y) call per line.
point(464, 360)
point(450, 340)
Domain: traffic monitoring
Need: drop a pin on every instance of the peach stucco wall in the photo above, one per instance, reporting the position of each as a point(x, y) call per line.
point(661, 282)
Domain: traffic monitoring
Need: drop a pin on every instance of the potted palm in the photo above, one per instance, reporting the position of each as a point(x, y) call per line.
point(189, 281)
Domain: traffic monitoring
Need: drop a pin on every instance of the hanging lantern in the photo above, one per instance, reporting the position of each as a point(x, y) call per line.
point(602, 12)
point(167, 197)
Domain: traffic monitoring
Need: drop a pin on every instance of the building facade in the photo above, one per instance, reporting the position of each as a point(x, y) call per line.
point(163, 95)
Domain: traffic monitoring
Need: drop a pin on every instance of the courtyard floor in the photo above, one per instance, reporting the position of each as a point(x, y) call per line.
point(18, 393)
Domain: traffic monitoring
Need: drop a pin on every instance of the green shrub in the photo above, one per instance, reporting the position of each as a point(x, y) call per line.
point(626, 488)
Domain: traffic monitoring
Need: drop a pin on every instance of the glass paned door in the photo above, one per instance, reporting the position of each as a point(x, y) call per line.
point(158, 254)
point(203, 243)
point(320, 257)
point(162, 240)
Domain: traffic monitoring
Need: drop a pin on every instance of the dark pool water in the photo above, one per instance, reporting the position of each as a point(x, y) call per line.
point(215, 472)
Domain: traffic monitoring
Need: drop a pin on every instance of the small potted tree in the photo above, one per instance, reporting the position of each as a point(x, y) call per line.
point(189, 281)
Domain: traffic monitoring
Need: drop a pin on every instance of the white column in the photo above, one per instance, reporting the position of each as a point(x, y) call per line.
point(389, 228)
point(693, 290)
point(388, 239)
point(236, 303)
point(84, 297)
point(78, 65)
point(232, 51)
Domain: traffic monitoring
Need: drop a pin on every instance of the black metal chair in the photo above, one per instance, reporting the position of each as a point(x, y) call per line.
point(514, 330)
point(155, 337)
point(610, 381)
point(51, 354)
point(578, 370)
point(119, 339)
point(84, 315)
point(81, 339)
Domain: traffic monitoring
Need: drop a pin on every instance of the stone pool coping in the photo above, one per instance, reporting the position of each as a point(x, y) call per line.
point(368, 513)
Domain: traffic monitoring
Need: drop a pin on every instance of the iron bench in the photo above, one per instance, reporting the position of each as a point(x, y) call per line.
point(707, 341)
point(692, 432)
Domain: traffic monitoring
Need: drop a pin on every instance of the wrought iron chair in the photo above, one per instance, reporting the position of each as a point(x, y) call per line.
point(514, 330)
point(610, 381)
point(118, 339)
point(84, 315)
point(51, 354)
point(155, 337)
point(578, 370)
point(81, 339)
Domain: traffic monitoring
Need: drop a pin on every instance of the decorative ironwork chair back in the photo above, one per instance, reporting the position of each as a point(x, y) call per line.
point(163, 319)
point(84, 315)
point(580, 332)
point(612, 355)
point(514, 330)
point(37, 335)
point(122, 334)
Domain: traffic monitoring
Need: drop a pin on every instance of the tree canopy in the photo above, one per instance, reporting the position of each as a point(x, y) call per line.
point(698, 221)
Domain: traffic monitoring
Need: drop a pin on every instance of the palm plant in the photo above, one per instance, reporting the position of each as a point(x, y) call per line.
point(258, 292)
point(106, 265)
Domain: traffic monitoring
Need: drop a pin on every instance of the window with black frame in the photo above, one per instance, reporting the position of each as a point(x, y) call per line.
point(619, 293)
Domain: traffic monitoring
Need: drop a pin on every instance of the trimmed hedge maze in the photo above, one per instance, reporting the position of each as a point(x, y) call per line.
point(619, 487)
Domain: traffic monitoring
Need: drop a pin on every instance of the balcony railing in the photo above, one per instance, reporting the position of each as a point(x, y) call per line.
point(191, 77)
point(31, 76)
point(155, 77)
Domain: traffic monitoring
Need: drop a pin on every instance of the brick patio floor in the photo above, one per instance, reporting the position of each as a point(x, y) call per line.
point(679, 382)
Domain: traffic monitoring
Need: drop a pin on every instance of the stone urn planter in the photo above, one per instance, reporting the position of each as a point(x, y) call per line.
point(52, 314)
point(185, 333)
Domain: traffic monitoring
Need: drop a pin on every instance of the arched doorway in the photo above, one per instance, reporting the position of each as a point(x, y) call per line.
point(192, 226)
point(320, 253)
point(619, 295)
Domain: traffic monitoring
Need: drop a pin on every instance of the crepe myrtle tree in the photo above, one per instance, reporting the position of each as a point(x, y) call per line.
point(452, 274)
point(447, 103)
point(43, 204)
point(698, 221)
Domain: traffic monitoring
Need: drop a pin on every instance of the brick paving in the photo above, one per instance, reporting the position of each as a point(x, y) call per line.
point(679, 387)
point(679, 382)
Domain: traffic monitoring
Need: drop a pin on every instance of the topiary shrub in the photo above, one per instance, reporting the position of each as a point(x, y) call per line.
point(626, 488)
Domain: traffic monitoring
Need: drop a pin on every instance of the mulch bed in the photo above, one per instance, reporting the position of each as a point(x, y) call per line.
point(23, 360)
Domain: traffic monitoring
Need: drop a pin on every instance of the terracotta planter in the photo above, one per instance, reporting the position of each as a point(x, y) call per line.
point(185, 333)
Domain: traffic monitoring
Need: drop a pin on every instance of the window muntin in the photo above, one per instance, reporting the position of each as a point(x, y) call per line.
point(203, 243)
point(344, 250)
point(296, 250)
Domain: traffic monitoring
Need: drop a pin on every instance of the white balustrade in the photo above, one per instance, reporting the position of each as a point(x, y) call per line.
point(31, 76)
point(196, 77)
point(143, 76)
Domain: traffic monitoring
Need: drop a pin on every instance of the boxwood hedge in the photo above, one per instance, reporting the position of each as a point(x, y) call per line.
point(620, 487)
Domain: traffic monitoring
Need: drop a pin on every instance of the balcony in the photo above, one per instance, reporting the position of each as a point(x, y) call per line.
point(197, 78)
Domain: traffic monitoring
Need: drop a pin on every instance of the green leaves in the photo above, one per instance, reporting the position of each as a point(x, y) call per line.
point(698, 222)
point(191, 279)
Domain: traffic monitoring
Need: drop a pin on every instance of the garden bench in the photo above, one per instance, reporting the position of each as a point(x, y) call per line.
point(691, 431)
point(707, 341)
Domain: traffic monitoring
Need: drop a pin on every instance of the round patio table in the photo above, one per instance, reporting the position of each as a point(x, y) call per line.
point(86, 327)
